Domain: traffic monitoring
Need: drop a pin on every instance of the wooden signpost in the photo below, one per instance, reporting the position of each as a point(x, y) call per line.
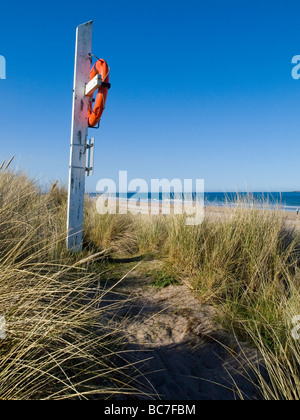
point(84, 115)
point(80, 147)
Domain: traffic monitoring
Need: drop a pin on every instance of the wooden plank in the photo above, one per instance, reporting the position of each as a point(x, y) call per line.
point(93, 85)
point(79, 132)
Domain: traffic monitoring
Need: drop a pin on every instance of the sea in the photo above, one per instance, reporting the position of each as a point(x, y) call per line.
point(284, 201)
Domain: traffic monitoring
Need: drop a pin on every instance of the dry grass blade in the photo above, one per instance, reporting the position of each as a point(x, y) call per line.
point(9, 163)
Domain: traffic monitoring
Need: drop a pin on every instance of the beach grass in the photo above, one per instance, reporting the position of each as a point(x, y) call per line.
point(60, 339)
point(61, 344)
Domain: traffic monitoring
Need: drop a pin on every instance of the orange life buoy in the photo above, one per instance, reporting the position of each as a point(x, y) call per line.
point(95, 113)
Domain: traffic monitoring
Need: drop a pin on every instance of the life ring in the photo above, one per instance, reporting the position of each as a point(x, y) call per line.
point(95, 113)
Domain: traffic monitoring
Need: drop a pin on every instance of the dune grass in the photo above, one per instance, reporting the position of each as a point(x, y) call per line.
point(61, 343)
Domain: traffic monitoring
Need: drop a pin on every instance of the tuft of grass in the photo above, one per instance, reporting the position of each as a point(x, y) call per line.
point(152, 232)
point(61, 340)
point(162, 278)
point(108, 231)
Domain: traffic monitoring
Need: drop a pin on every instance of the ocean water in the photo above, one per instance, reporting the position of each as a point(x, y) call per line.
point(285, 201)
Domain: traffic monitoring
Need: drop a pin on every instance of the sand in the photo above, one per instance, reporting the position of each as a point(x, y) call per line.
point(182, 353)
point(291, 218)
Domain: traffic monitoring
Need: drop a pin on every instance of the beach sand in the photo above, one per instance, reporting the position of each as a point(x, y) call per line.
point(292, 220)
point(182, 353)
point(213, 212)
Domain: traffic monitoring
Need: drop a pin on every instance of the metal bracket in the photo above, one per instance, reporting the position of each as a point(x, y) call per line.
point(89, 150)
point(89, 146)
point(96, 127)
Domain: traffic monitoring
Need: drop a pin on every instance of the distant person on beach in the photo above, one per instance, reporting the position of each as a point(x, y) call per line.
point(297, 211)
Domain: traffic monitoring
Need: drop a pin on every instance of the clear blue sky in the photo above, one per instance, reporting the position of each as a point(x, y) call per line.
point(200, 89)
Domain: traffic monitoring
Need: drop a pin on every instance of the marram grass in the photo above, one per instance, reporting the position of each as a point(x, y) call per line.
point(60, 343)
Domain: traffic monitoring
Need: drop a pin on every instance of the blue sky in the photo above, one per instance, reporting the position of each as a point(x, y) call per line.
point(200, 89)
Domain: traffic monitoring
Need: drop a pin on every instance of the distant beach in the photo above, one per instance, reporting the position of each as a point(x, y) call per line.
point(285, 201)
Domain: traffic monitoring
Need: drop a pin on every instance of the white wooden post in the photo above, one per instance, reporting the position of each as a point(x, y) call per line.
point(79, 133)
